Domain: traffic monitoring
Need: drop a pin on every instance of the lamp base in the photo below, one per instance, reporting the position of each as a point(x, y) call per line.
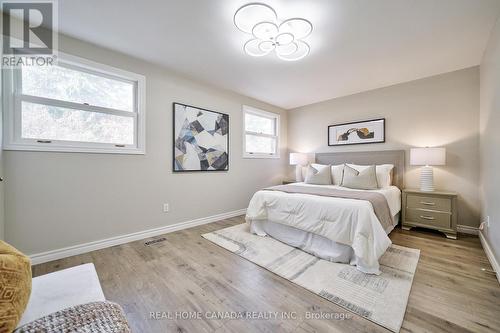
point(426, 179)
point(298, 173)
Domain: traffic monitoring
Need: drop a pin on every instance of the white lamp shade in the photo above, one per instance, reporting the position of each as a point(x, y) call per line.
point(298, 159)
point(428, 156)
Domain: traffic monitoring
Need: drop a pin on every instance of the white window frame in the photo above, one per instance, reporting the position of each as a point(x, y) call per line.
point(12, 111)
point(276, 117)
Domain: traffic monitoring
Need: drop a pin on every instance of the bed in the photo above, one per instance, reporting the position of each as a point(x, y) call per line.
point(338, 229)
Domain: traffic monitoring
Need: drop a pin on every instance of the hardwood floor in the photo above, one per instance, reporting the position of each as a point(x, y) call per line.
point(185, 272)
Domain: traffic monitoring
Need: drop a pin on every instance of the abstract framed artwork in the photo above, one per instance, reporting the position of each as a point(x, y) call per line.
point(368, 131)
point(201, 139)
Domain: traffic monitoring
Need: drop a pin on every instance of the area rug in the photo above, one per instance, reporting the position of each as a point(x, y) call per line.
point(381, 299)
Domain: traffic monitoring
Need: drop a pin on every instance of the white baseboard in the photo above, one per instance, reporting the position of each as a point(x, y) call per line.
point(465, 229)
point(491, 255)
point(39, 258)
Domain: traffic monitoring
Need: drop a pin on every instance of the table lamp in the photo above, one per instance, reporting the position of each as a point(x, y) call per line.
point(299, 160)
point(427, 157)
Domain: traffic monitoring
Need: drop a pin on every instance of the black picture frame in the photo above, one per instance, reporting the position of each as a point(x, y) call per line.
point(174, 138)
point(354, 123)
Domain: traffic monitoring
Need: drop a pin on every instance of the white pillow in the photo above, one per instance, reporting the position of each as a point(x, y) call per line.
point(361, 180)
point(318, 176)
point(337, 172)
point(383, 171)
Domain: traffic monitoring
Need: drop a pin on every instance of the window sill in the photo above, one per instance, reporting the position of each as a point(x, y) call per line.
point(260, 156)
point(126, 151)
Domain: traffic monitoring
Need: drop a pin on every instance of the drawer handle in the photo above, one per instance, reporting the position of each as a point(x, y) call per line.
point(427, 217)
point(428, 203)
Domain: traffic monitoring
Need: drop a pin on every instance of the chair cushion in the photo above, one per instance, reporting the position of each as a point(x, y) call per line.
point(62, 289)
point(15, 286)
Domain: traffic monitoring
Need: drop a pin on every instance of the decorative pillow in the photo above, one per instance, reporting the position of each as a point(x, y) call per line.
point(15, 286)
point(317, 166)
point(337, 172)
point(383, 171)
point(320, 176)
point(361, 180)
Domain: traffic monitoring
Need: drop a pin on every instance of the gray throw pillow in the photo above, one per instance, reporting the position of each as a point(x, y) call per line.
point(361, 180)
point(320, 176)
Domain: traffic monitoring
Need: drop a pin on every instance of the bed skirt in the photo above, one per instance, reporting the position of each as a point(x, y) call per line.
point(314, 244)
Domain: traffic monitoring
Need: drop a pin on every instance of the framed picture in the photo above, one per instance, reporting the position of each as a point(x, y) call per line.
point(369, 131)
point(200, 138)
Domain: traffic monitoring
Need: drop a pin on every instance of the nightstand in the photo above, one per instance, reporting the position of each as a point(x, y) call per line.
point(286, 182)
point(434, 210)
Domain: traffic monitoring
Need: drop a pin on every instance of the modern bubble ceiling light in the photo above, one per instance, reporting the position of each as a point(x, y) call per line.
point(269, 34)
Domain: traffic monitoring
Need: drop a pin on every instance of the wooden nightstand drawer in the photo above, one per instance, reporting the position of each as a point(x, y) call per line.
point(435, 210)
point(428, 202)
point(429, 217)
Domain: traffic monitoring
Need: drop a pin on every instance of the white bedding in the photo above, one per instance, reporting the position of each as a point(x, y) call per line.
point(348, 222)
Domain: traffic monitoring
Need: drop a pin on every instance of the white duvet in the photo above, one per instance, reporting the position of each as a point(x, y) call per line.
point(346, 221)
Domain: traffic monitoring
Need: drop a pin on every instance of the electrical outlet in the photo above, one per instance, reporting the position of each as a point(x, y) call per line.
point(487, 222)
point(166, 207)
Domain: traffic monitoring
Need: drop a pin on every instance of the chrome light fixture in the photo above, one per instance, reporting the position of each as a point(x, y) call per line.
point(285, 38)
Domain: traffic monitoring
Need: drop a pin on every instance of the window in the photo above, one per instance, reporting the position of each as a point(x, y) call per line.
point(75, 106)
point(261, 133)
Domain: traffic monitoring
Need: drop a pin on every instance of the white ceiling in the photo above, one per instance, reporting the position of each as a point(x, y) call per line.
point(356, 45)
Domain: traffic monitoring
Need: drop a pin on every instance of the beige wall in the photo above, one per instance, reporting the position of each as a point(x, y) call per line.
point(436, 111)
point(56, 200)
point(490, 139)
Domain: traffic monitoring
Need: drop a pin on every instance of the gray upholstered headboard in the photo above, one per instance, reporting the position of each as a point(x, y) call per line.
point(396, 157)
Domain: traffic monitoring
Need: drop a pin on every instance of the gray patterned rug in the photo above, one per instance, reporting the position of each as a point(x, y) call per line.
point(381, 299)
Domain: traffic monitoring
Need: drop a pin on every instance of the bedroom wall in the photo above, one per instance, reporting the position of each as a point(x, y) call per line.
point(490, 139)
point(56, 200)
point(435, 111)
point(2, 206)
